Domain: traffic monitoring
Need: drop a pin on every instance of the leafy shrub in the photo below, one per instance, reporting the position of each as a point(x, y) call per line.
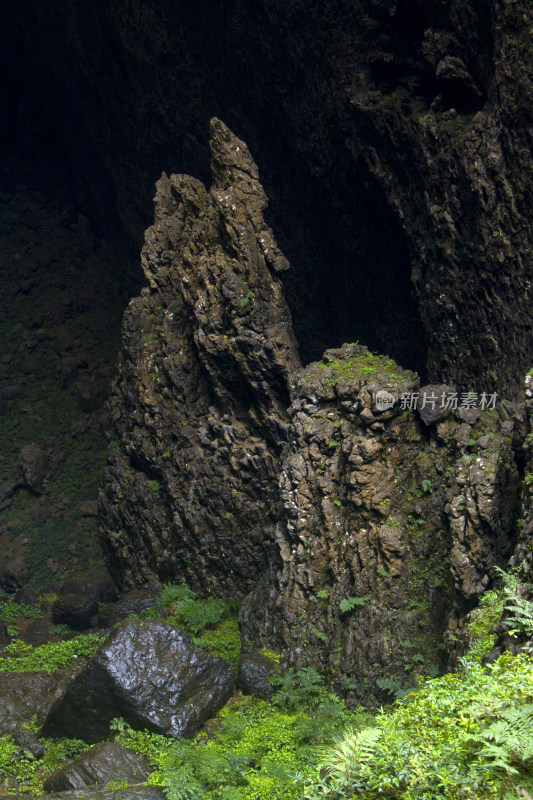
point(49, 657)
point(195, 615)
point(211, 623)
point(297, 690)
point(257, 752)
point(465, 735)
point(482, 623)
point(187, 611)
point(452, 740)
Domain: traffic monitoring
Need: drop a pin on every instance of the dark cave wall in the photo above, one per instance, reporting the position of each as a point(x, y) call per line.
point(393, 139)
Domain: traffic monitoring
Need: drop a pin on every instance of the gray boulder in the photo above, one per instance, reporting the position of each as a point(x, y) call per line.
point(99, 586)
point(149, 673)
point(432, 403)
point(101, 764)
point(76, 610)
point(252, 677)
point(28, 694)
point(130, 603)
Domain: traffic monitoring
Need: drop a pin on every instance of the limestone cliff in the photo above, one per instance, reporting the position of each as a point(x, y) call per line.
point(199, 408)
point(389, 528)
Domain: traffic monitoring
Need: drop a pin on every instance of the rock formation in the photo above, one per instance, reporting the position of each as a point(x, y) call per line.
point(389, 529)
point(149, 673)
point(370, 528)
point(199, 410)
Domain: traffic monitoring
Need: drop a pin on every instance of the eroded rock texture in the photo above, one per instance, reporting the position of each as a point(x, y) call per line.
point(370, 528)
point(199, 409)
point(389, 528)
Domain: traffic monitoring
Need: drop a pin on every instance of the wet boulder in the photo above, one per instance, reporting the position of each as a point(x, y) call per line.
point(130, 603)
point(28, 743)
point(96, 793)
point(39, 631)
point(103, 763)
point(28, 694)
point(252, 677)
point(14, 572)
point(76, 610)
point(26, 597)
point(149, 673)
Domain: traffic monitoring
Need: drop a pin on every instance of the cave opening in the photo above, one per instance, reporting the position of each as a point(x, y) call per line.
point(98, 123)
point(351, 276)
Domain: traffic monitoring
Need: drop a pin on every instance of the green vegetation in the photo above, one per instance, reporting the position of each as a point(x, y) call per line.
point(296, 689)
point(465, 735)
point(246, 299)
point(253, 750)
point(20, 772)
point(211, 623)
point(48, 657)
point(223, 641)
point(359, 365)
point(349, 603)
point(10, 612)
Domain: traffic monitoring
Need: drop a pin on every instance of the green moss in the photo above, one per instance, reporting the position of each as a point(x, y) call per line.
point(271, 654)
point(358, 364)
point(223, 641)
point(364, 365)
point(49, 657)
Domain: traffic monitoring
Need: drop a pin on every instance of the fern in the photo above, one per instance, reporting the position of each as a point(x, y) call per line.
point(509, 739)
point(297, 689)
point(520, 619)
point(174, 592)
point(356, 749)
point(392, 685)
point(349, 603)
point(195, 615)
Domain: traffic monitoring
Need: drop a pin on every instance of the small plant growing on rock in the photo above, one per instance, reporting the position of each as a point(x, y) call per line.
point(349, 603)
